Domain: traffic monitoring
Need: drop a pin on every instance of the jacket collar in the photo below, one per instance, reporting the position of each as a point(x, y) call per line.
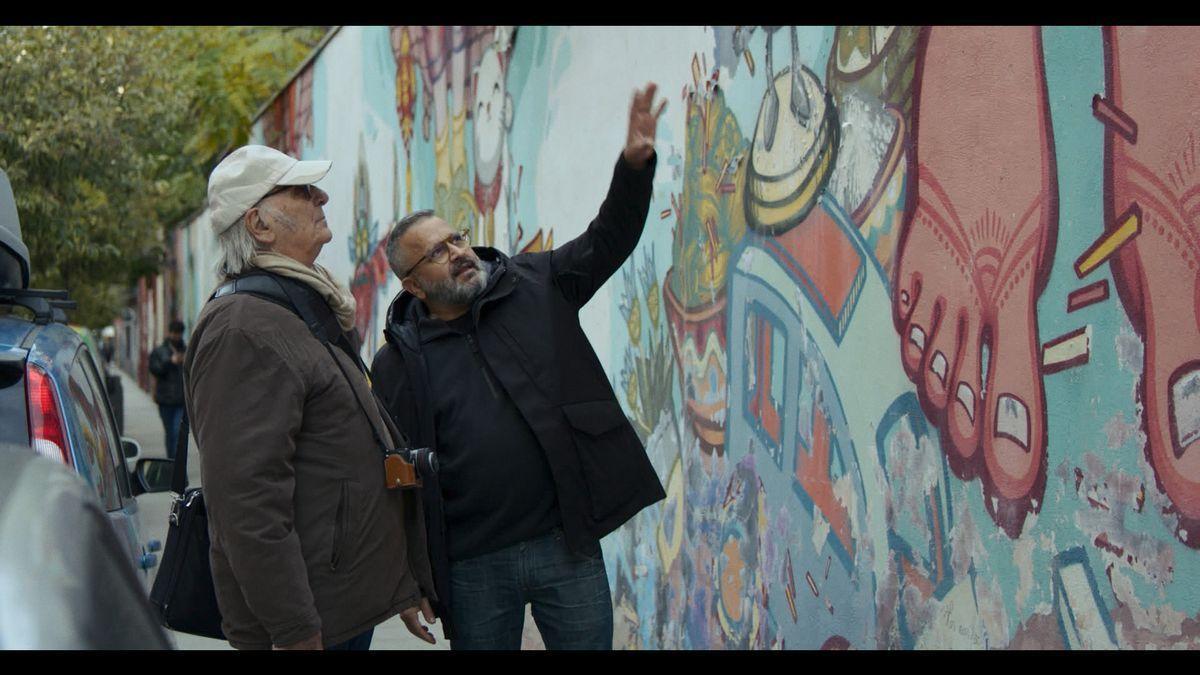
point(408, 321)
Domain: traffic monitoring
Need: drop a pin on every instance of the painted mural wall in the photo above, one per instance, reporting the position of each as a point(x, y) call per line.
point(912, 335)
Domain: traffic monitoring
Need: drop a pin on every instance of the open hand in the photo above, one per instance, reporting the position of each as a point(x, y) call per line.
point(413, 623)
point(643, 126)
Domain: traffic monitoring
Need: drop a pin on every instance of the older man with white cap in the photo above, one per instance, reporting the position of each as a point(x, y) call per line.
point(311, 548)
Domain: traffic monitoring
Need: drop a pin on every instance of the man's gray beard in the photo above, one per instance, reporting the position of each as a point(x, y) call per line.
point(452, 292)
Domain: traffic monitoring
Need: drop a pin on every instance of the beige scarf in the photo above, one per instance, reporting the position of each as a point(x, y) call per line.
point(319, 278)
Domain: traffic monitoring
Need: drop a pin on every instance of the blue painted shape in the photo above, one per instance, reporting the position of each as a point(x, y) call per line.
point(1078, 556)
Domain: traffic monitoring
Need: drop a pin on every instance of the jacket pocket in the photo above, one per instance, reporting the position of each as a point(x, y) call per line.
point(341, 527)
point(610, 454)
point(537, 374)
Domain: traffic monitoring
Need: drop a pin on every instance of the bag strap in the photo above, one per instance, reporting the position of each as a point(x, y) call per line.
point(374, 432)
point(312, 309)
point(179, 472)
point(298, 298)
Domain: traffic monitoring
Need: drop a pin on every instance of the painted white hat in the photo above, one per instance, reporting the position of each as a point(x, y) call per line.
point(247, 174)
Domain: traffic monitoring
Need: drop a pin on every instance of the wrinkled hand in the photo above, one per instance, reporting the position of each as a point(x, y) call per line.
point(313, 642)
point(643, 126)
point(413, 622)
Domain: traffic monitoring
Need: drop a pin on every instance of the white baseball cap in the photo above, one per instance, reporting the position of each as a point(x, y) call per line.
point(247, 174)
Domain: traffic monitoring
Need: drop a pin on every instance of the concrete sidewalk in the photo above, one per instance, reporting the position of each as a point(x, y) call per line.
point(142, 424)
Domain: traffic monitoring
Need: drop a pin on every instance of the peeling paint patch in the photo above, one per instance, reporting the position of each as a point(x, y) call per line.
point(820, 530)
point(1128, 548)
point(1141, 626)
point(1129, 351)
point(1023, 557)
point(1039, 631)
point(1119, 432)
point(966, 546)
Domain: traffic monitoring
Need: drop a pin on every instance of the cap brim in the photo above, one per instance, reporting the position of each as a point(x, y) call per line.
point(305, 172)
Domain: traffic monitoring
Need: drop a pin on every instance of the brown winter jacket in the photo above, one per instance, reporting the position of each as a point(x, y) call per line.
point(305, 537)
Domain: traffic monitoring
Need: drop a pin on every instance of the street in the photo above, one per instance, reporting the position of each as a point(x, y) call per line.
point(143, 425)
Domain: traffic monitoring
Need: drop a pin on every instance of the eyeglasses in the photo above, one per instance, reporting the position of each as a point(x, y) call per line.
point(440, 253)
point(310, 191)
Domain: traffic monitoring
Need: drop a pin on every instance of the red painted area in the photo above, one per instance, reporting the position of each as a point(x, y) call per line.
point(812, 472)
point(364, 286)
point(1088, 295)
point(820, 248)
point(761, 405)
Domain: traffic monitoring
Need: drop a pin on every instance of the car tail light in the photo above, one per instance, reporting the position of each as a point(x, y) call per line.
point(45, 419)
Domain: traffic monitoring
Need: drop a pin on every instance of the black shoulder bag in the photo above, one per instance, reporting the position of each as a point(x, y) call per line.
point(183, 589)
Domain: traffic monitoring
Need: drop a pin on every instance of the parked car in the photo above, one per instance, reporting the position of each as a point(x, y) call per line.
point(74, 587)
point(53, 398)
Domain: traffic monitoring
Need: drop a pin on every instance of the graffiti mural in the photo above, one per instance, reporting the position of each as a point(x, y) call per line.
point(288, 122)
point(709, 223)
point(912, 336)
point(446, 57)
point(1152, 185)
point(974, 255)
point(870, 75)
point(369, 256)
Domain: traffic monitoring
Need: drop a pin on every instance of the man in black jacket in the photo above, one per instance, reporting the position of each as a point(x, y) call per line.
point(166, 364)
point(486, 363)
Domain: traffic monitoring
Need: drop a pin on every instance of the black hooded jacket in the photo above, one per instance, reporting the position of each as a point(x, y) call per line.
point(527, 333)
point(168, 386)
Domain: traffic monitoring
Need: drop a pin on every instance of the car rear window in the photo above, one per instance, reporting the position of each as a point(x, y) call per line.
point(14, 422)
point(88, 359)
point(97, 444)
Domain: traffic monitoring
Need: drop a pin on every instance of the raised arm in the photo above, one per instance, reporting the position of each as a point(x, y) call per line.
point(583, 264)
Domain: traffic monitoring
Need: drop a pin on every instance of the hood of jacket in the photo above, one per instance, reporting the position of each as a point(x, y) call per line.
point(405, 313)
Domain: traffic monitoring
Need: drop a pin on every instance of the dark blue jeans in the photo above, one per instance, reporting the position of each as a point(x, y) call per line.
point(172, 417)
point(358, 643)
point(572, 606)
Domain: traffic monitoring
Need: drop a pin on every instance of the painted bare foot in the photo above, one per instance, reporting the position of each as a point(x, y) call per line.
point(1151, 174)
point(975, 254)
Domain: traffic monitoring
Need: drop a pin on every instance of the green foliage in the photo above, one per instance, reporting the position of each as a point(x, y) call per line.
point(108, 134)
point(234, 71)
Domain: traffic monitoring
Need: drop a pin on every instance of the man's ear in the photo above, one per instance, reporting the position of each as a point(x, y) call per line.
point(258, 228)
point(412, 287)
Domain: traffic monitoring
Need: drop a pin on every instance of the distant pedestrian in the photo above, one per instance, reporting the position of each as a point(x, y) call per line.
point(166, 364)
point(107, 344)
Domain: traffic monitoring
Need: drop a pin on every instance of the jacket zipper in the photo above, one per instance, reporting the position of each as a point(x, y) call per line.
point(482, 364)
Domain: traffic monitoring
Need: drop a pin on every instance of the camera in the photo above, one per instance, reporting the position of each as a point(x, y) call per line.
point(424, 460)
point(404, 467)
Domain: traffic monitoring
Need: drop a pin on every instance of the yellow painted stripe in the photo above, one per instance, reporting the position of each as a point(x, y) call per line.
point(1105, 247)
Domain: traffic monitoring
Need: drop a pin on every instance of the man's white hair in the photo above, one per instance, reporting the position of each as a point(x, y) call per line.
point(237, 247)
